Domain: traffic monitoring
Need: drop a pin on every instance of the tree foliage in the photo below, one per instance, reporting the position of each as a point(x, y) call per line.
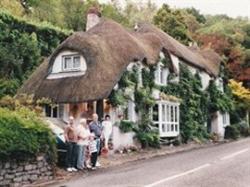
point(172, 22)
point(22, 47)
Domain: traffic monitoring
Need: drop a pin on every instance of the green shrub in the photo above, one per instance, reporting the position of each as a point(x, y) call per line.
point(232, 132)
point(243, 128)
point(126, 126)
point(24, 135)
point(148, 139)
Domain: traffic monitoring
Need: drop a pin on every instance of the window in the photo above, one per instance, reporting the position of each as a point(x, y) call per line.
point(71, 62)
point(225, 119)
point(165, 116)
point(161, 75)
point(51, 111)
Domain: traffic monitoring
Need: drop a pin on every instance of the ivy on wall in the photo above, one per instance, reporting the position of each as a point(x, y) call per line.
point(196, 104)
point(145, 132)
point(195, 109)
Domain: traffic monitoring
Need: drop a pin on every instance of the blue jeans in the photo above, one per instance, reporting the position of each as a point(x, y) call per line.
point(71, 157)
point(98, 145)
point(81, 156)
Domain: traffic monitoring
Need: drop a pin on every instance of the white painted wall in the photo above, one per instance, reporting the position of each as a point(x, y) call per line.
point(57, 68)
point(205, 78)
point(176, 62)
point(217, 125)
point(219, 84)
point(121, 140)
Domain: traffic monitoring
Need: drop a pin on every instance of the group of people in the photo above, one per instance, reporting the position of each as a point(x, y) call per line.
point(83, 142)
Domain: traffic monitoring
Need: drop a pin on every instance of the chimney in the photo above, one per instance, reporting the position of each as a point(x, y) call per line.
point(93, 17)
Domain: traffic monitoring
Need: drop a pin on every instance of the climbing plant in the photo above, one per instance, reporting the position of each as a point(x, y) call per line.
point(193, 105)
point(142, 97)
point(219, 101)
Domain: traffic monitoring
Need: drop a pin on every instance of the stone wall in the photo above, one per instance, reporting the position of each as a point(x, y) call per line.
point(13, 173)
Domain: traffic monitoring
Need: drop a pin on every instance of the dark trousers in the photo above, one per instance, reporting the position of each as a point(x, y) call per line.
point(94, 158)
point(71, 158)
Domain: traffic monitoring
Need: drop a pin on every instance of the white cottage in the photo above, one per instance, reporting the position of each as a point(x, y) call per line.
point(81, 73)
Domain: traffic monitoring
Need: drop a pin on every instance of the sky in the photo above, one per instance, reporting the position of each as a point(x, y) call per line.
point(232, 8)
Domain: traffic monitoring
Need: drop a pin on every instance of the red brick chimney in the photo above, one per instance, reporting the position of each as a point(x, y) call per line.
point(93, 17)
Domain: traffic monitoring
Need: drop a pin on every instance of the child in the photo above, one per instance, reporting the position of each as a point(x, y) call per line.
point(93, 151)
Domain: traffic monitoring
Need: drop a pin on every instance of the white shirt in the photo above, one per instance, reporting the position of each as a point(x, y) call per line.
point(107, 129)
point(83, 132)
point(92, 146)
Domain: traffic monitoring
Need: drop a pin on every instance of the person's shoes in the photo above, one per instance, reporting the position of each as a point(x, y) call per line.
point(74, 169)
point(69, 169)
point(93, 168)
point(88, 166)
point(98, 164)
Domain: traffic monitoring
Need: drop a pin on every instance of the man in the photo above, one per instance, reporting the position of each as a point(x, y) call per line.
point(96, 127)
point(70, 134)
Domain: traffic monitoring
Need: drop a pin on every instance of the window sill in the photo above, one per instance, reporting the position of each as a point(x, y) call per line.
point(66, 74)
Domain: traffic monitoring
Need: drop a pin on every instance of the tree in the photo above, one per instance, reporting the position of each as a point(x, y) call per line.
point(14, 7)
point(172, 22)
point(196, 13)
point(242, 95)
point(136, 12)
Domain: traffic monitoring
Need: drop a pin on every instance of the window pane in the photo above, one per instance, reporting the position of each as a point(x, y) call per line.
point(171, 113)
point(67, 63)
point(161, 75)
point(168, 114)
point(48, 110)
point(172, 127)
point(155, 113)
point(175, 113)
point(55, 112)
point(76, 62)
point(176, 128)
point(168, 128)
point(164, 129)
point(163, 113)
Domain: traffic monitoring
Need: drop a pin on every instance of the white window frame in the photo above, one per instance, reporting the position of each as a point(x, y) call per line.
point(73, 68)
point(161, 75)
point(168, 119)
point(225, 119)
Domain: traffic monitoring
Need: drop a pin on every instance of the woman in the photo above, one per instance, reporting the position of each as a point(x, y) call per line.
point(83, 135)
point(107, 130)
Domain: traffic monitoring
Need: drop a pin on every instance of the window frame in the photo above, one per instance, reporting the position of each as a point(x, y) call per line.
point(161, 75)
point(225, 119)
point(72, 57)
point(168, 124)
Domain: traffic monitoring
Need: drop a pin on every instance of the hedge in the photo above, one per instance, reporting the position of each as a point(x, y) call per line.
point(23, 45)
point(48, 35)
point(24, 135)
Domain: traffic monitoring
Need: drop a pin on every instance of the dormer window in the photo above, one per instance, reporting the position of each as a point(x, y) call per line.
point(71, 63)
point(68, 64)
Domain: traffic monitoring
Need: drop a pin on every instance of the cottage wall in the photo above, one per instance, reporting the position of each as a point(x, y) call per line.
point(218, 124)
point(205, 78)
point(121, 140)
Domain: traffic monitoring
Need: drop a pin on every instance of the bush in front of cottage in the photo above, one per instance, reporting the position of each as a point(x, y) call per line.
point(24, 135)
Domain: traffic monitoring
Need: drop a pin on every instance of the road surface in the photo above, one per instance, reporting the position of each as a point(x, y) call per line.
point(226, 165)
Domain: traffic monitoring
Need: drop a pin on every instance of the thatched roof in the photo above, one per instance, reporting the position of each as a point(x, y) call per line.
point(199, 58)
point(108, 49)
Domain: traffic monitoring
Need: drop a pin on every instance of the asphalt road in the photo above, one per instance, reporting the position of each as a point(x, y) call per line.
point(226, 165)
